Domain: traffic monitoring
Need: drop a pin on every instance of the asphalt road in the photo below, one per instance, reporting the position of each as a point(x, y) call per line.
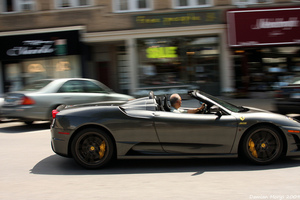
point(30, 170)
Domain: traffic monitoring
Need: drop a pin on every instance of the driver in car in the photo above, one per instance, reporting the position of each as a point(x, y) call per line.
point(175, 101)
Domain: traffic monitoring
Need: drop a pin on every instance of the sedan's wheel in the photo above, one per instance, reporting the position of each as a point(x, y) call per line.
point(262, 145)
point(28, 122)
point(92, 148)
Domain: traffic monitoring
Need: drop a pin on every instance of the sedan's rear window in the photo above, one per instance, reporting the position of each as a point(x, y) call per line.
point(37, 85)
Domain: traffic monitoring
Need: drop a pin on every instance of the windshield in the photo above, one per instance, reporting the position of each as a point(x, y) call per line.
point(37, 85)
point(223, 103)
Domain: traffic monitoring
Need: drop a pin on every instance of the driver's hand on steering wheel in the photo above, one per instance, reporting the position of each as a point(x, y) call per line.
point(197, 110)
point(201, 108)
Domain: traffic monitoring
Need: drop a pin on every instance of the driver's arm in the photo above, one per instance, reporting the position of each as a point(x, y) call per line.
point(197, 109)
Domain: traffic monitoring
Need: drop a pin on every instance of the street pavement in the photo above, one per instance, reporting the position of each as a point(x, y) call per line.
point(29, 170)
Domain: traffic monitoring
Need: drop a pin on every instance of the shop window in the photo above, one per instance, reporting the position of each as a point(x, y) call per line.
point(18, 5)
point(191, 3)
point(132, 5)
point(179, 62)
point(248, 2)
point(73, 3)
point(266, 69)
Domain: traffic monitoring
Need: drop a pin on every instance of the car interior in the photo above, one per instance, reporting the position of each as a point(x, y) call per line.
point(163, 104)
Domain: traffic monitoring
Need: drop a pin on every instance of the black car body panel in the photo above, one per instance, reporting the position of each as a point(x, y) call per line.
point(140, 128)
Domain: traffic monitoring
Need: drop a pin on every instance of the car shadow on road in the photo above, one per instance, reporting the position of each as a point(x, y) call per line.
point(20, 127)
point(57, 165)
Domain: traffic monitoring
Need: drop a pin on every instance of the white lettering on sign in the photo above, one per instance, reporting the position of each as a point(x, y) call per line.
point(32, 47)
point(17, 51)
point(276, 23)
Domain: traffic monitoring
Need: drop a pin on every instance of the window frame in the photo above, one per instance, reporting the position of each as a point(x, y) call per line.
point(72, 4)
point(132, 6)
point(192, 4)
point(250, 2)
point(17, 6)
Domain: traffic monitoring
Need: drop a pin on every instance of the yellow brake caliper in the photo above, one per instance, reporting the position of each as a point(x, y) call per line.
point(252, 148)
point(102, 149)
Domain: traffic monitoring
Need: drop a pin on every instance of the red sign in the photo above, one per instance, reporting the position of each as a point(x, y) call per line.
point(262, 27)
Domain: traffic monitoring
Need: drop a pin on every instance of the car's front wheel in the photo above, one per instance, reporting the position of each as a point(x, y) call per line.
point(262, 145)
point(92, 148)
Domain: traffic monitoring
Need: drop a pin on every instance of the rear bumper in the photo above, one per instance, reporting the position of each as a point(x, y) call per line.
point(24, 113)
point(60, 141)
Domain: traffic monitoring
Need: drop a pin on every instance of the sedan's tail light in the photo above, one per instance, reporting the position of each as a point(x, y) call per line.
point(27, 101)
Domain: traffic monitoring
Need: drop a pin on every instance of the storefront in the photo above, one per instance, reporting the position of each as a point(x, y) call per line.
point(265, 45)
point(181, 62)
point(26, 57)
point(166, 53)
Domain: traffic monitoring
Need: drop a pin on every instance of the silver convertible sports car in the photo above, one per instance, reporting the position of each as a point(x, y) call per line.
point(145, 128)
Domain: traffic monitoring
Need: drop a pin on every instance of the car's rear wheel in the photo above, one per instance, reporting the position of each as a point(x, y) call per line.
point(28, 122)
point(262, 145)
point(92, 148)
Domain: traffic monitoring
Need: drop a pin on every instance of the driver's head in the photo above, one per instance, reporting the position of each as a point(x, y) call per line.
point(175, 100)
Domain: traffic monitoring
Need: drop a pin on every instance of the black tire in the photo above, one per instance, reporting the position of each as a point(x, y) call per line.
point(262, 145)
point(28, 122)
point(92, 148)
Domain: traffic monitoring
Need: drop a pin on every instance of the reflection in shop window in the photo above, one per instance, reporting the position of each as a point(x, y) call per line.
point(266, 69)
point(35, 67)
point(63, 66)
point(185, 62)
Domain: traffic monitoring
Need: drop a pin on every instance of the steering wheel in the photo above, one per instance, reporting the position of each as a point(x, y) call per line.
point(204, 110)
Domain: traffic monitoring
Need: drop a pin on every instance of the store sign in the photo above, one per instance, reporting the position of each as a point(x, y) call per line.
point(32, 47)
point(273, 26)
point(161, 52)
point(162, 20)
point(39, 45)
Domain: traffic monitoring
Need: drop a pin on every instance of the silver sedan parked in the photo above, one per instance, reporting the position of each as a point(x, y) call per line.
point(37, 100)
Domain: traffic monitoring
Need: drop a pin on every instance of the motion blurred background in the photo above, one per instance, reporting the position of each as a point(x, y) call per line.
point(237, 48)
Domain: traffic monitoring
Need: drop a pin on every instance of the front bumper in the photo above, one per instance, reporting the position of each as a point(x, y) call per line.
point(293, 140)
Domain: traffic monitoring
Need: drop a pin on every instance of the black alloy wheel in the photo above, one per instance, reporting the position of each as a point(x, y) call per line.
point(92, 148)
point(262, 145)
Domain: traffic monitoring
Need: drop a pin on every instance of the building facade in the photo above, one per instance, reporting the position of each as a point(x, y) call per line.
point(133, 46)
